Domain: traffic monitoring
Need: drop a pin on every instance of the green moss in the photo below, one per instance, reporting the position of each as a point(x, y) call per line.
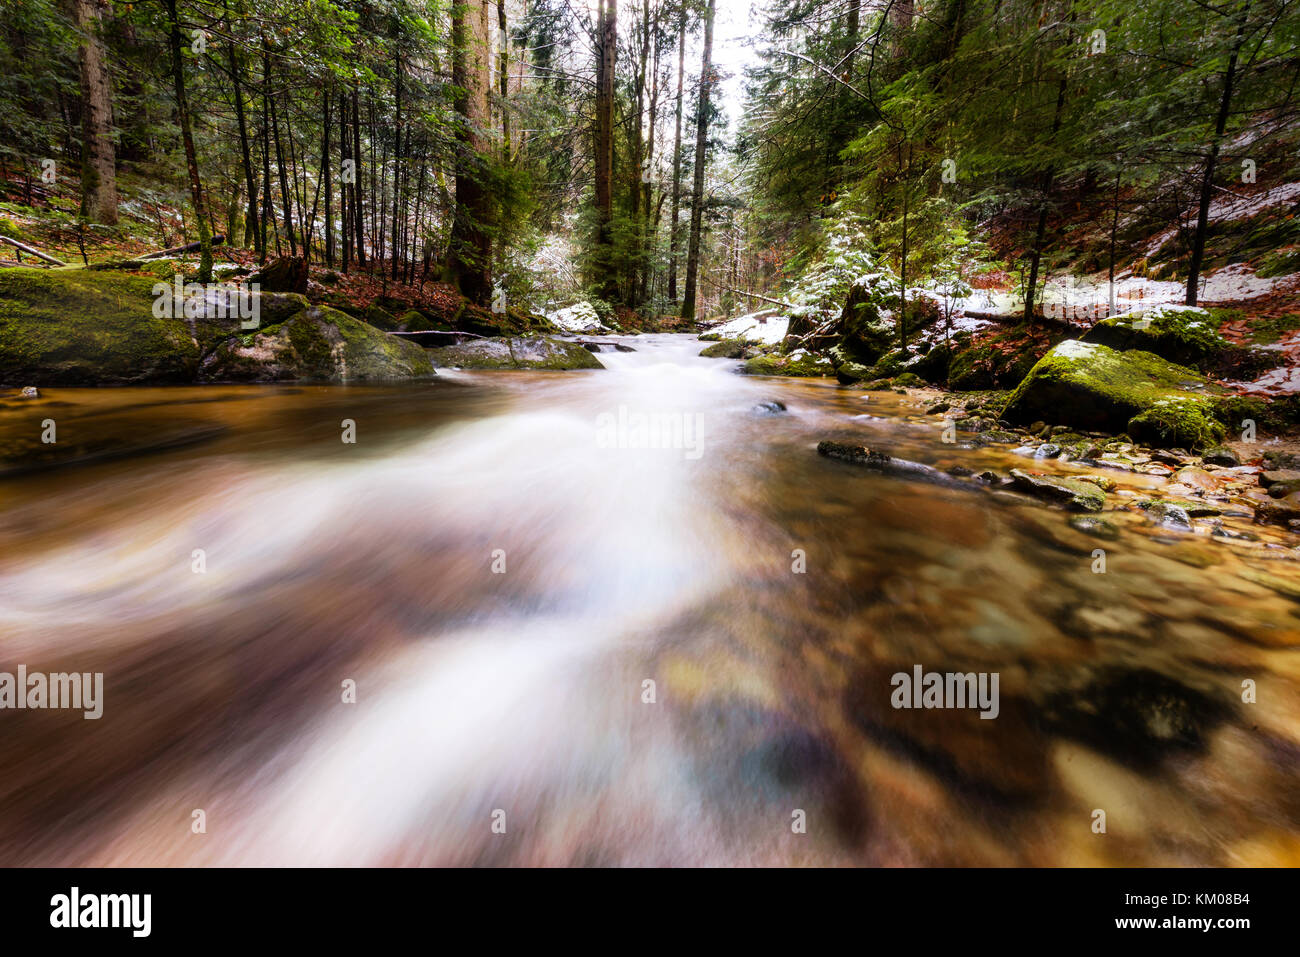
point(1178, 422)
point(519, 353)
point(1183, 334)
point(380, 318)
point(1281, 262)
point(801, 363)
point(1092, 387)
point(1267, 330)
point(726, 349)
point(78, 327)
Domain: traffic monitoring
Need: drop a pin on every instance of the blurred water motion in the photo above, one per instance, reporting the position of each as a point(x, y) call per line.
point(500, 583)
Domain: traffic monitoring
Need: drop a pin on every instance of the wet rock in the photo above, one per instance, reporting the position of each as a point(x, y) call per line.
point(520, 353)
point(938, 408)
point(1095, 526)
point(1289, 587)
point(1047, 451)
point(1137, 715)
point(771, 407)
point(1103, 482)
point(726, 349)
point(1167, 515)
point(1073, 494)
point(1284, 489)
point(998, 437)
point(1221, 455)
point(29, 392)
point(1277, 513)
point(1196, 478)
point(1274, 476)
point(878, 461)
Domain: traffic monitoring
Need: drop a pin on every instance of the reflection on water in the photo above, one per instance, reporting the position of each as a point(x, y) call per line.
point(501, 583)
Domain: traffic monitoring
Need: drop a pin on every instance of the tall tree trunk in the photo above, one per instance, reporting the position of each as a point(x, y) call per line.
point(245, 152)
point(677, 159)
point(325, 163)
point(187, 136)
point(605, 66)
point(358, 217)
point(397, 157)
point(503, 81)
point(701, 160)
point(98, 173)
point(286, 197)
point(469, 262)
point(1211, 161)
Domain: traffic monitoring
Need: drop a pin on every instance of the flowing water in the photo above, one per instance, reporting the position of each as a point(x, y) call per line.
point(500, 568)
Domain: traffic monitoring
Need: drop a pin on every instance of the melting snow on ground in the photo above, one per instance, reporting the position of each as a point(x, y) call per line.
point(765, 327)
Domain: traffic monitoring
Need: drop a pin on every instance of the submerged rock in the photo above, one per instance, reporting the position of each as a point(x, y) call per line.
point(1168, 515)
point(878, 461)
point(1080, 496)
point(1222, 455)
point(1095, 526)
point(538, 353)
point(771, 407)
point(1138, 715)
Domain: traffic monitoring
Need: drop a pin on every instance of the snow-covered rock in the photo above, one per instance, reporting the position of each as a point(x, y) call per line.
point(578, 318)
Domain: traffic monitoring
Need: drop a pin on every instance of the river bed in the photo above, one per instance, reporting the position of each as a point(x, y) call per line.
point(573, 639)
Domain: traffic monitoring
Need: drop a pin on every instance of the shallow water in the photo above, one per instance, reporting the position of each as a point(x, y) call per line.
point(500, 579)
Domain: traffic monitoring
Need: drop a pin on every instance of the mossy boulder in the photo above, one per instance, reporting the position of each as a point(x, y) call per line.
point(511, 353)
point(1093, 387)
point(79, 327)
point(801, 362)
point(1186, 422)
point(316, 343)
point(1187, 335)
point(413, 321)
point(726, 349)
point(379, 317)
point(864, 334)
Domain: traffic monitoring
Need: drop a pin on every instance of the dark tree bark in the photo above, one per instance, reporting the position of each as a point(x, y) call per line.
point(187, 136)
point(98, 158)
point(673, 231)
point(469, 257)
point(701, 160)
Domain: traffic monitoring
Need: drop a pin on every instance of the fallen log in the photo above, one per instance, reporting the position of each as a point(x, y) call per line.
point(141, 261)
point(32, 252)
point(217, 240)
